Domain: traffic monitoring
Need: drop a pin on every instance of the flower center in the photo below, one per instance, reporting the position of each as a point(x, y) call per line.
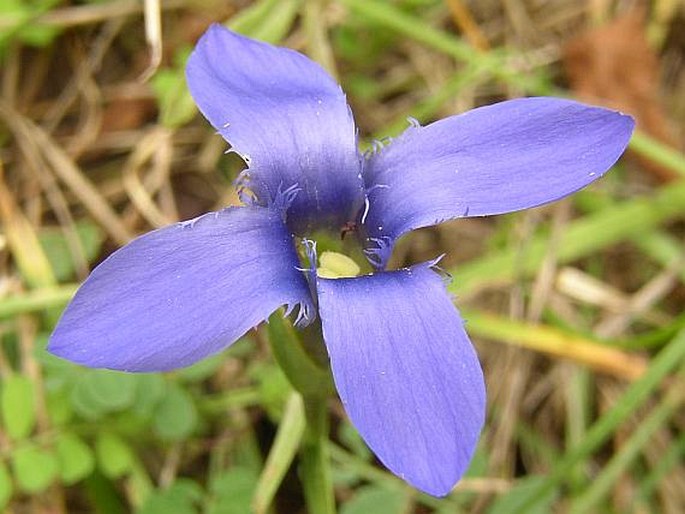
point(339, 253)
point(336, 265)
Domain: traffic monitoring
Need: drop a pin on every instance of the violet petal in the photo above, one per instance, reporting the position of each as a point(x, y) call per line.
point(496, 159)
point(406, 372)
point(178, 294)
point(287, 118)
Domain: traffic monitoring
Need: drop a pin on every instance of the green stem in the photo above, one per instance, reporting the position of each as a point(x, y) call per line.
point(314, 384)
point(315, 462)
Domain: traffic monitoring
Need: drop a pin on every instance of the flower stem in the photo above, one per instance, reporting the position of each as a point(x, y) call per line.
point(315, 460)
point(314, 383)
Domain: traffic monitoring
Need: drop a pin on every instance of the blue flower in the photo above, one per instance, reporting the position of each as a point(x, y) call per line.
point(403, 365)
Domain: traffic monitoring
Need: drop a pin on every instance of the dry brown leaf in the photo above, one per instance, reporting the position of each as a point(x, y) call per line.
point(614, 64)
point(127, 114)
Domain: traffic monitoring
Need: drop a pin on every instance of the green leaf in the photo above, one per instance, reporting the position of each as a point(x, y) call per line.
point(273, 386)
point(266, 20)
point(232, 491)
point(59, 407)
point(374, 499)
point(38, 35)
point(18, 405)
point(114, 390)
point(202, 369)
point(176, 106)
point(149, 391)
point(103, 495)
point(20, 16)
point(57, 249)
point(98, 392)
point(76, 460)
point(175, 417)
point(182, 497)
point(114, 456)
point(83, 401)
point(5, 486)
point(34, 468)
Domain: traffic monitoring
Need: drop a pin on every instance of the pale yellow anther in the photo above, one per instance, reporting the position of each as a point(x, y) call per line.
point(336, 265)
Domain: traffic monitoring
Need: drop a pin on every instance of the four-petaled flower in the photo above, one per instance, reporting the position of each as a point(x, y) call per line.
point(402, 363)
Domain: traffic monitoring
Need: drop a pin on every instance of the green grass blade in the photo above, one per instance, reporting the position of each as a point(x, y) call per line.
point(416, 28)
point(582, 237)
point(285, 445)
point(602, 484)
point(638, 392)
point(658, 152)
point(36, 300)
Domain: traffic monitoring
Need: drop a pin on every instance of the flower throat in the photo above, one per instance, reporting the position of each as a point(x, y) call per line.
point(339, 255)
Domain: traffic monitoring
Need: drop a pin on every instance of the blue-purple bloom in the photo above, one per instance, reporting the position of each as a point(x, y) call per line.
point(403, 365)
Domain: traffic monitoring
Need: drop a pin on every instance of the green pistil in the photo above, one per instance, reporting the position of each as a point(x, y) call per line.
point(336, 265)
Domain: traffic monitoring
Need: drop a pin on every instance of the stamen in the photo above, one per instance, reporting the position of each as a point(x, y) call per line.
point(366, 209)
point(336, 265)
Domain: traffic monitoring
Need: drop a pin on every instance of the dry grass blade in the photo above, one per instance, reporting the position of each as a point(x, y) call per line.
point(148, 147)
point(464, 20)
point(92, 13)
point(153, 36)
point(36, 167)
point(556, 343)
point(23, 241)
point(584, 288)
point(643, 300)
point(544, 281)
point(69, 173)
point(84, 72)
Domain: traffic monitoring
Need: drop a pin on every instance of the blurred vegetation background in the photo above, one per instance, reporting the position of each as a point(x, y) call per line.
point(576, 308)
